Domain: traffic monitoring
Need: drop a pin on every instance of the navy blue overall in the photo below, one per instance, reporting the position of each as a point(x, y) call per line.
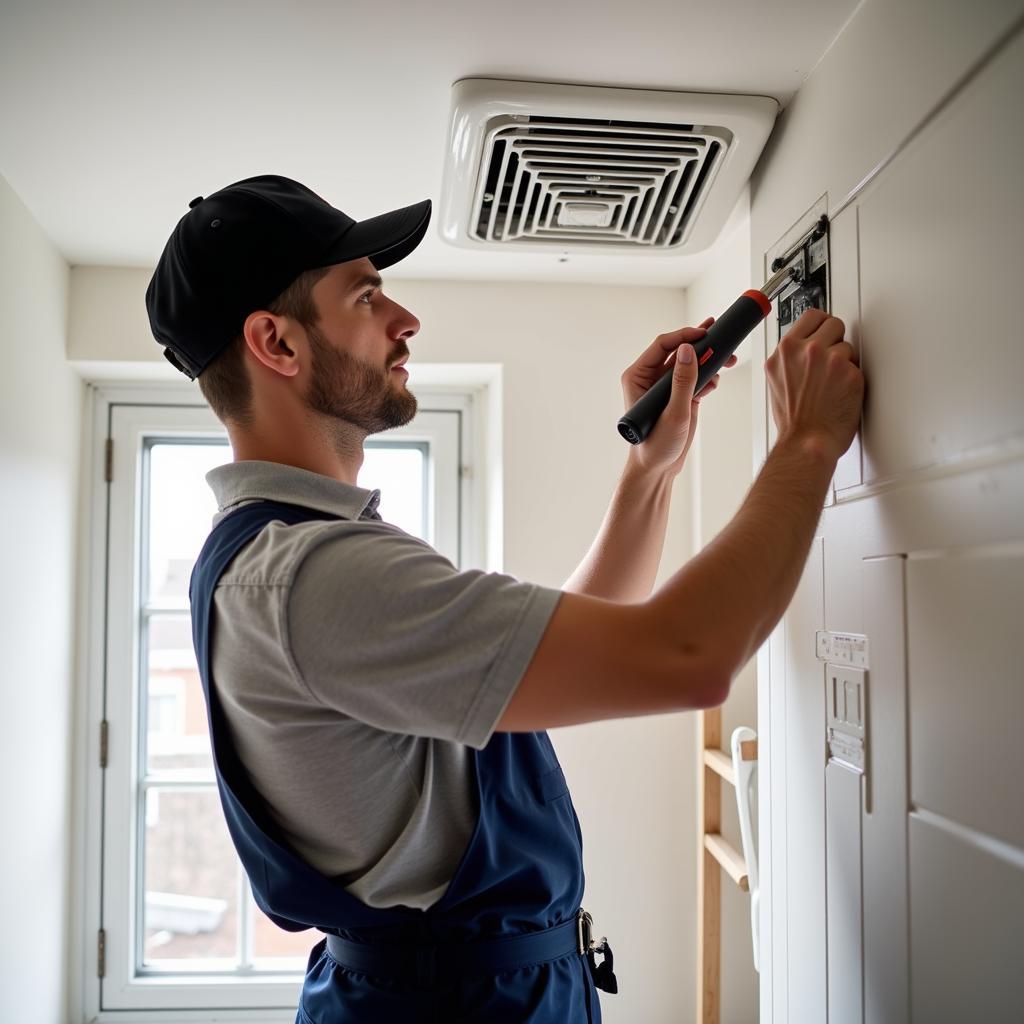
point(502, 945)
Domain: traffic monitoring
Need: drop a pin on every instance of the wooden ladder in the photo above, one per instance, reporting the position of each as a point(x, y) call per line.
point(715, 765)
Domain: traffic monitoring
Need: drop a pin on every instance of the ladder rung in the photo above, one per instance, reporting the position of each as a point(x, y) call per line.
point(730, 858)
point(720, 763)
point(748, 750)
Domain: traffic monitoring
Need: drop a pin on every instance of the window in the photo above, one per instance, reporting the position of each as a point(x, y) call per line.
point(170, 914)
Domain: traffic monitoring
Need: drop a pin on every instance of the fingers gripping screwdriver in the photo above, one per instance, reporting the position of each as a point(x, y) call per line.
point(711, 352)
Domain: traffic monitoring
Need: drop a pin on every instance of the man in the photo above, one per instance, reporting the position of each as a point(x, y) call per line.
point(379, 718)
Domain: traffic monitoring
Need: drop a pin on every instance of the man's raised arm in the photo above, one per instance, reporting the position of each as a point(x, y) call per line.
point(681, 648)
point(622, 563)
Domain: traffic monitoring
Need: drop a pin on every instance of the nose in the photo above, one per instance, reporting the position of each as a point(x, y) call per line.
point(407, 325)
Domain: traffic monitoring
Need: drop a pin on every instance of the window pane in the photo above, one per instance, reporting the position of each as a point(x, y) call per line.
point(181, 510)
point(398, 473)
point(288, 950)
point(191, 880)
point(177, 732)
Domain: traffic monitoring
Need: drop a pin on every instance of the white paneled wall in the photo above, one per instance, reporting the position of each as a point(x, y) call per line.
point(915, 869)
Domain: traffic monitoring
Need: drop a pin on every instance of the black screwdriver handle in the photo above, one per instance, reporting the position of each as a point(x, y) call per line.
point(712, 351)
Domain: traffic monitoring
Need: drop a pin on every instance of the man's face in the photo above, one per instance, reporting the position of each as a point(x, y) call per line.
point(360, 337)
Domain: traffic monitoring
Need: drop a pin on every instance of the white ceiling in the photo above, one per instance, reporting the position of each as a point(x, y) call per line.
point(115, 113)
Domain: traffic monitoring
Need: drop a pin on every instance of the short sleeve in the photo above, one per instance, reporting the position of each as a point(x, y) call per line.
point(386, 630)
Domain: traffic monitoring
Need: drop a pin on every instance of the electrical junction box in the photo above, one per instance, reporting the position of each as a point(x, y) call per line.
point(846, 730)
point(809, 290)
point(846, 696)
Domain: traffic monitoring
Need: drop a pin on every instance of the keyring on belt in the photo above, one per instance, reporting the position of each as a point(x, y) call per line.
point(602, 973)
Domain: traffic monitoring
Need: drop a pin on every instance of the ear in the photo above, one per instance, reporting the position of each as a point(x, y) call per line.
point(264, 337)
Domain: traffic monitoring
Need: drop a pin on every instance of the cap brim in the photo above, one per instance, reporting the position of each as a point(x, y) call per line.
point(384, 239)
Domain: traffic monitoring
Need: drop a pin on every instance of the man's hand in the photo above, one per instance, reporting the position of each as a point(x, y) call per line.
point(665, 447)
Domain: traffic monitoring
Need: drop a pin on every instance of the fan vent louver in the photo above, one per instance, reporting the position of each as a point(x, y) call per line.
point(587, 168)
point(619, 183)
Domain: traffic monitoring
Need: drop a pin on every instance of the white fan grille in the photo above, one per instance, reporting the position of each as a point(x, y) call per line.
point(605, 182)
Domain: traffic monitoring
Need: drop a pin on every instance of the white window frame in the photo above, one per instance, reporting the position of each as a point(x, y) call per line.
point(460, 414)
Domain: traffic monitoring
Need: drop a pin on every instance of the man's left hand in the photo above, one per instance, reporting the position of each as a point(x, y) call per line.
point(665, 447)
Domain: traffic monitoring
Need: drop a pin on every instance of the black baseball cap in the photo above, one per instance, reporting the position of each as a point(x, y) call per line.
point(237, 249)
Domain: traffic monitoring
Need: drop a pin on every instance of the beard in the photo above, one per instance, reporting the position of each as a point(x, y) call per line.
point(344, 388)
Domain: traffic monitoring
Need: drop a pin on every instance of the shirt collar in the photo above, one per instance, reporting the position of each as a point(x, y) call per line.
point(251, 479)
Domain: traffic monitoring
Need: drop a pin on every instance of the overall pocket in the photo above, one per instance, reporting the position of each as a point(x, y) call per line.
point(551, 785)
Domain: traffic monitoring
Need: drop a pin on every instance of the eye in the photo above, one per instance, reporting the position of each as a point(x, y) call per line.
point(363, 296)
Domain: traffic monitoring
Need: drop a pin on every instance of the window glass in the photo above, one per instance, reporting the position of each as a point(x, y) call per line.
point(191, 880)
point(181, 508)
point(177, 733)
point(399, 474)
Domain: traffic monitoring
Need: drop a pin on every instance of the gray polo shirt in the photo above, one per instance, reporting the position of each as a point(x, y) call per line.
point(356, 667)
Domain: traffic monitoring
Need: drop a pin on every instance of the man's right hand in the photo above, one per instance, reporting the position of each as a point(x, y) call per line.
point(817, 387)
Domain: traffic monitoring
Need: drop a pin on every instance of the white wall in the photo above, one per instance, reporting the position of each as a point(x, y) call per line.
point(41, 403)
point(724, 468)
point(563, 349)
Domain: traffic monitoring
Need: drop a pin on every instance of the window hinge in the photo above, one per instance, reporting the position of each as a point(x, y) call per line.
point(104, 738)
point(108, 464)
point(101, 954)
